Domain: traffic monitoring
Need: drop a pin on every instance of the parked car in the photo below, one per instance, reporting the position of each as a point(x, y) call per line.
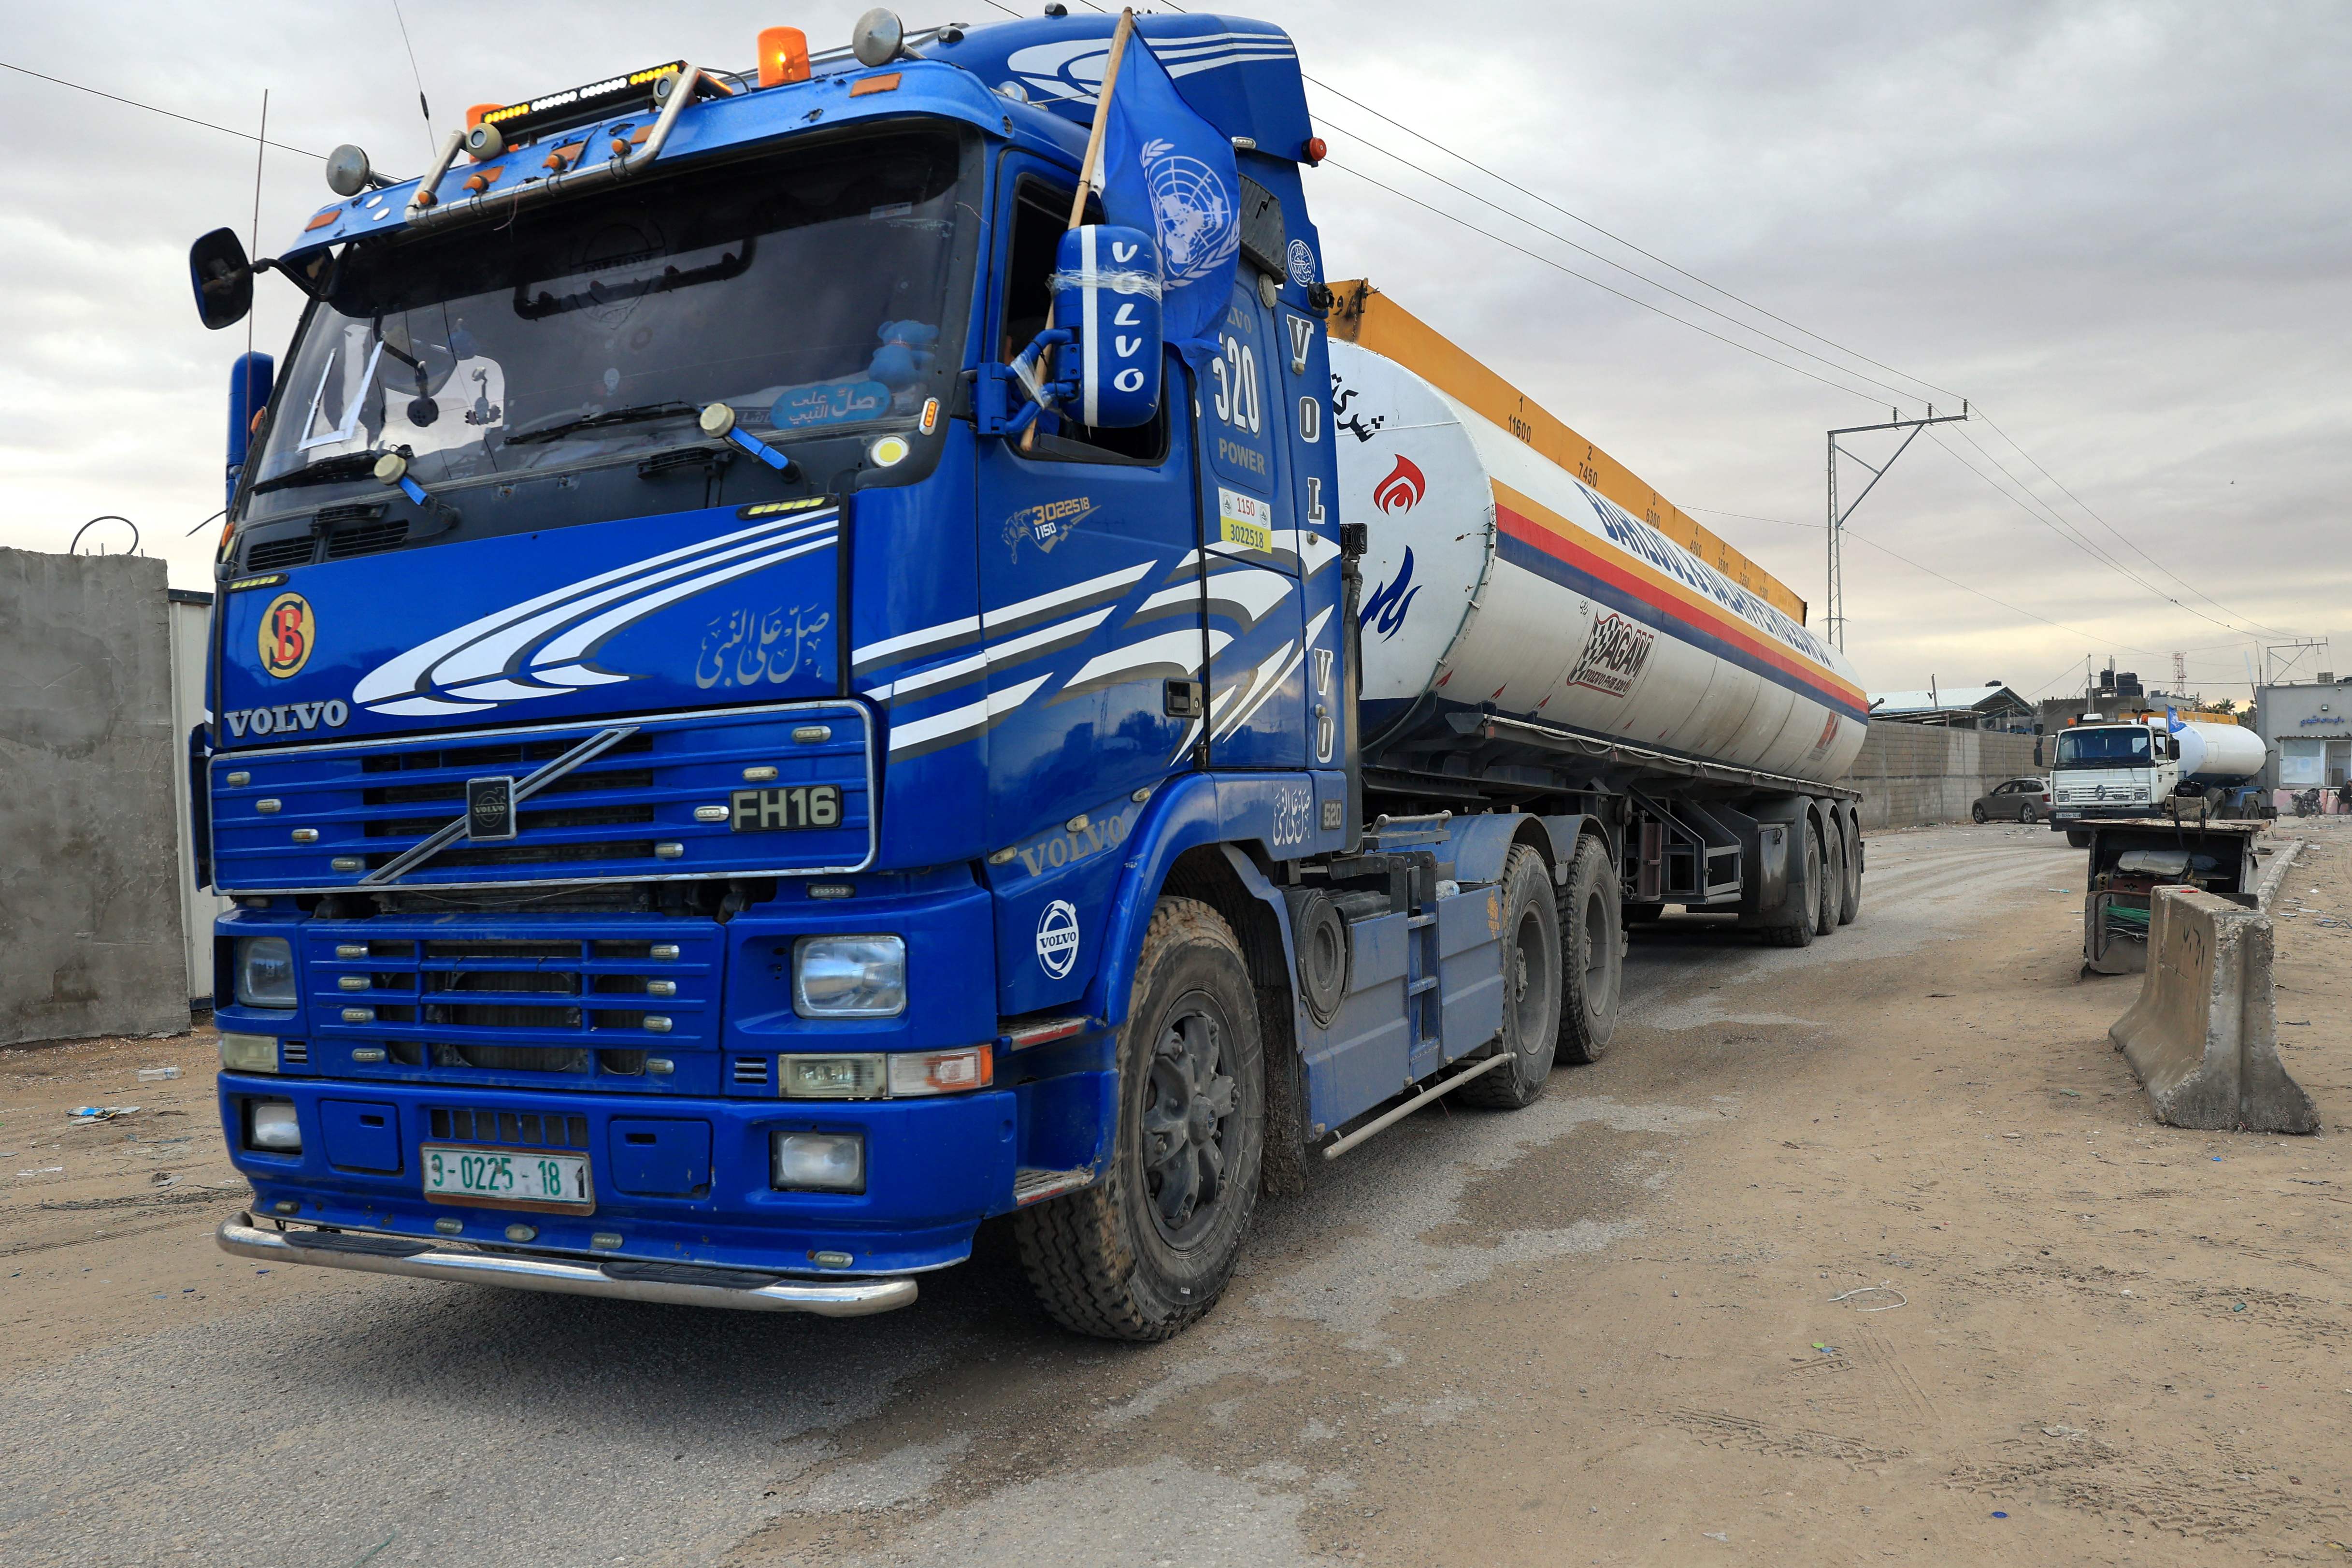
point(2019, 800)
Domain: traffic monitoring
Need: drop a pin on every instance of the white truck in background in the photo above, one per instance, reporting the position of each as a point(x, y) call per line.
point(2157, 766)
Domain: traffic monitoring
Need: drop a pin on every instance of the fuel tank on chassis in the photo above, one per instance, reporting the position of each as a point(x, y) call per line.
point(1496, 577)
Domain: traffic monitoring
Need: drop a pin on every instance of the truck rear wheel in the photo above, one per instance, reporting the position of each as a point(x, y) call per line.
point(1592, 951)
point(2079, 837)
point(1531, 958)
point(1148, 1249)
point(1829, 894)
point(1850, 905)
point(1797, 913)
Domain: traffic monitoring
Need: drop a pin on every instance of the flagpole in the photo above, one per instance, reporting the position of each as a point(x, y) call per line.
point(1102, 118)
point(1094, 155)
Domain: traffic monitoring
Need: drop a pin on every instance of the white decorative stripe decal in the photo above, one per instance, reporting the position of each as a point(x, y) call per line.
point(492, 659)
point(939, 730)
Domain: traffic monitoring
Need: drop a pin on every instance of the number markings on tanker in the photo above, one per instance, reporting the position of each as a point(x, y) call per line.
point(507, 1178)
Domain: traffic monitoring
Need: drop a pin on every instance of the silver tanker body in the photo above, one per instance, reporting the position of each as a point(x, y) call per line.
point(1497, 580)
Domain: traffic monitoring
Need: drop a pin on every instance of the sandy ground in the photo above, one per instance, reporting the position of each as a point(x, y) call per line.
point(1621, 1326)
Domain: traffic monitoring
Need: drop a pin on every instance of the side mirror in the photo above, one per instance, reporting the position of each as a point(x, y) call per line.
point(1107, 287)
point(222, 278)
point(249, 394)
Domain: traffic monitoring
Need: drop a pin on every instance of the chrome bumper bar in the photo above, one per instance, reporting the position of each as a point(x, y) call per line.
point(679, 1285)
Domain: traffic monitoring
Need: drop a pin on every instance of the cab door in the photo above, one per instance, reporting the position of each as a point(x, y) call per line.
point(1250, 546)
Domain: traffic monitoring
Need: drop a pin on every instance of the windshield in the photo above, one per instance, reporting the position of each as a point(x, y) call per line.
point(812, 292)
point(2104, 748)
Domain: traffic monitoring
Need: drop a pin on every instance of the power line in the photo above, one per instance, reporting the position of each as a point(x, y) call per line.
point(169, 113)
point(1930, 570)
point(1583, 278)
point(2111, 528)
point(1619, 239)
point(1630, 272)
point(2051, 521)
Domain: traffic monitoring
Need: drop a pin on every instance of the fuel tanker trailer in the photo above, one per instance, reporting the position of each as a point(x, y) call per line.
point(1541, 630)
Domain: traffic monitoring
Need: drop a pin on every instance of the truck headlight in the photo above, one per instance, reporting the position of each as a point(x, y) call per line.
point(849, 976)
point(818, 1162)
point(248, 1053)
point(269, 1125)
point(265, 972)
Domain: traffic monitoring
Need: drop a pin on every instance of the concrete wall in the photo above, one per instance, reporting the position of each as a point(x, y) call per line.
point(1914, 775)
point(91, 933)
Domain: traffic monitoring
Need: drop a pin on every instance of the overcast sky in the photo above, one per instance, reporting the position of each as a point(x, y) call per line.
point(2121, 229)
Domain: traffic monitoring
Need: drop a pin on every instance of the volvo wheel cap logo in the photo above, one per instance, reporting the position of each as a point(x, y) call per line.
point(1057, 938)
point(288, 630)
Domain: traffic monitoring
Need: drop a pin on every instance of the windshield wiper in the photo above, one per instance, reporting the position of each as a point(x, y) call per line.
point(325, 470)
point(636, 415)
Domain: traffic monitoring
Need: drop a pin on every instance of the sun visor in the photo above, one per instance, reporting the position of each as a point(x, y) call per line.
point(1240, 75)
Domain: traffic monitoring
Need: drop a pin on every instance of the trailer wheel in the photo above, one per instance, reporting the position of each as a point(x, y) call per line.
point(1829, 895)
point(1148, 1249)
point(1592, 947)
point(1531, 955)
point(1850, 905)
point(1798, 930)
point(2078, 839)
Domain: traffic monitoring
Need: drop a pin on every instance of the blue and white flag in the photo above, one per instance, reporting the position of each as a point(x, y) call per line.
point(1170, 173)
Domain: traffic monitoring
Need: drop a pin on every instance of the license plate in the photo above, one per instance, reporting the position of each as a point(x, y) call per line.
point(507, 1178)
point(785, 809)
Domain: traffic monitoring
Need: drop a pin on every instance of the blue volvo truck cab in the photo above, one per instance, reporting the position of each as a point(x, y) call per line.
point(728, 783)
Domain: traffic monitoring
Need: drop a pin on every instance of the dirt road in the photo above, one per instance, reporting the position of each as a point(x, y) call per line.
point(1619, 1327)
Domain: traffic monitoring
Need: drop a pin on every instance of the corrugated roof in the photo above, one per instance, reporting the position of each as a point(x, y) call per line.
point(1943, 700)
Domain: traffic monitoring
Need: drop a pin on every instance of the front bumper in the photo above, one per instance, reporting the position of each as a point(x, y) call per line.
point(673, 1285)
point(934, 1169)
point(2064, 816)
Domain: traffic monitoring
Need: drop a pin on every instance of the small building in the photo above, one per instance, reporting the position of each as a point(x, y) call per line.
point(1992, 706)
point(2307, 729)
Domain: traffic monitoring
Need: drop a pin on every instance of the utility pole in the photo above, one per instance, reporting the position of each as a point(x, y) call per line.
point(1833, 613)
point(2281, 660)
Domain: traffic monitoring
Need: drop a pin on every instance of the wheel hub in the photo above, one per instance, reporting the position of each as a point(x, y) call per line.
point(1188, 1103)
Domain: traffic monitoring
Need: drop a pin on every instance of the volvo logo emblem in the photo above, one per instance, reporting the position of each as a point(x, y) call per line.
point(489, 808)
point(1058, 939)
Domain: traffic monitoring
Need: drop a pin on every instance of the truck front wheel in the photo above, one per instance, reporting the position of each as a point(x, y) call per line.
point(1148, 1249)
point(1592, 951)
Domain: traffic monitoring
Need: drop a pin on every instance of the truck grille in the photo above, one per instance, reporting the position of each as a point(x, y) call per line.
point(656, 804)
point(526, 1128)
point(591, 1008)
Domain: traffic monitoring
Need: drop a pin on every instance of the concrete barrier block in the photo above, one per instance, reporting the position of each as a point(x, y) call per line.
point(2203, 1036)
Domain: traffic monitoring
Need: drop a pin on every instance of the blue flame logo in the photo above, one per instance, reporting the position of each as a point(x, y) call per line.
point(1385, 611)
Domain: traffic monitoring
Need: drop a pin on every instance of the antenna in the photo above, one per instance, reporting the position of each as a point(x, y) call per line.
point(253, 240)
point(417, 75)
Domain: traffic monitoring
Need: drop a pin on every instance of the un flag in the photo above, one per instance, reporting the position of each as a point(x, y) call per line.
point(1169, 172)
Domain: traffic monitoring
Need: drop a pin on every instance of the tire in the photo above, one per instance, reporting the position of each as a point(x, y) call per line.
point(1799, 931)
point(2025, 815)
point(1976, 814)
point(2078, 839)
point(1850, 904)
point(1592, 954)
point(1531, 1000)
point(1145, 1251)
point(1831, 896)
point(1640, 914)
